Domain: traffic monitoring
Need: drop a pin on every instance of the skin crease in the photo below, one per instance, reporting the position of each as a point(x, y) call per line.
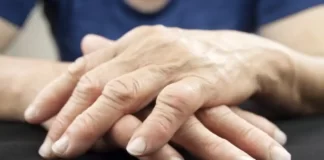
point(117, 135)
point(316, 66)
point(241, 55)
point(158, 31)
point(270, 128)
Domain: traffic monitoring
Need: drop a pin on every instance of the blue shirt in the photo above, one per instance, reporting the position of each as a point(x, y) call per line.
point(70, 20)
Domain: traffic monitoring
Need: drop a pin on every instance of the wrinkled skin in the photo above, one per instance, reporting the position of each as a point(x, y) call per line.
point(185, 70)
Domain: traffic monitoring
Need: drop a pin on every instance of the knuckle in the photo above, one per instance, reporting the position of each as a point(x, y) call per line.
point(142, 28)
point(158, 28)
point(178, 96)
point(62, 121)
point(152, 28)
point(188, 127)
point(249, 133)
point(164, 120)
point(219, 114)
point(213, 146)
point(86, 124)
point(176, 105)
point(149, 29)
point(77, 68)
point(59, 125)
point(87, 85)
point(180, 42)
point(161, 71)
point(120, 91)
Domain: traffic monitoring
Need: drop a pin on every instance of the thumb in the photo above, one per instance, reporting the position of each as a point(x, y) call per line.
point(93, 42)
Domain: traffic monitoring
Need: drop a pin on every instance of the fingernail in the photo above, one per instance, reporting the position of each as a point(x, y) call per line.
point(61, 145)
point(136, 147)
point(176, 158)
point(31, 112)
point(45, 150)
point(244, 158)
point(278, 153)
point(280, 137)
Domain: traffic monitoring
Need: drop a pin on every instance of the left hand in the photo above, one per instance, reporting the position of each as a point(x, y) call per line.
point(203, 76)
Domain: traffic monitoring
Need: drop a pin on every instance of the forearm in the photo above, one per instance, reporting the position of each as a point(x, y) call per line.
point(301, 31)
point(311, 75)
point(20, 80)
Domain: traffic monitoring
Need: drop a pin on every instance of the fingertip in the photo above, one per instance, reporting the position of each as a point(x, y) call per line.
point(279, 153)
point(60, 146)
point(137, 146)
point(280, 137)
point(45, 149)
point(93, 42)
point(31, 114)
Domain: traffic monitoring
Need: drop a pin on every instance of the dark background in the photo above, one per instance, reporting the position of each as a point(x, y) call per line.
point(19, 141)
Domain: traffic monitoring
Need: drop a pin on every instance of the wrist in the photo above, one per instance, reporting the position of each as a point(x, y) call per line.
point(310, 75)
point(278, 83)
point(293, 81)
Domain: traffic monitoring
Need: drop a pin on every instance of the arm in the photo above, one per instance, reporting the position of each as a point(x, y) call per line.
point(304, 32)
point(20, 80)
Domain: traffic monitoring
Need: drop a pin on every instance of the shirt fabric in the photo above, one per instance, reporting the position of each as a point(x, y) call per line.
point(70, 20)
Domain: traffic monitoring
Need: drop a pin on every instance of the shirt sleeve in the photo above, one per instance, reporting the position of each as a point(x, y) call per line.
point(16, 11)
point(272, 10)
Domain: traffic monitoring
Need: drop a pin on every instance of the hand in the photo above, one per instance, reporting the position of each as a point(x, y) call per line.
point(202, 65)
point(192, 134)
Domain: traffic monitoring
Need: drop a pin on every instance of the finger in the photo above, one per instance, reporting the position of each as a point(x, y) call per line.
point(174, 105)
point(193, 135)
point(92, 42)
point(262, 123)
point(225, 123)
point(51, 99)
point(126, 94)
point(122, 131)
point(197, 139)
point(87, 90)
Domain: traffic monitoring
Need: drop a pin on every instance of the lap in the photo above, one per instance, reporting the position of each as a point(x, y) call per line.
point(21, 141)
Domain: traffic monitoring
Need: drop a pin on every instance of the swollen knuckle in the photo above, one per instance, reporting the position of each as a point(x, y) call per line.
point(77, 68)
point(161, 71)
point(87, 124)
point(164, 120)
point(120, 91)
point(177, 106)
point(180, 96)
point(87, 85)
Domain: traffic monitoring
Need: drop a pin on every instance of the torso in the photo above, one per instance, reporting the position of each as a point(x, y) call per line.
point(72, 19)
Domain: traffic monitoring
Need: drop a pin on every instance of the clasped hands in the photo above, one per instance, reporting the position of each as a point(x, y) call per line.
point(196, 78)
